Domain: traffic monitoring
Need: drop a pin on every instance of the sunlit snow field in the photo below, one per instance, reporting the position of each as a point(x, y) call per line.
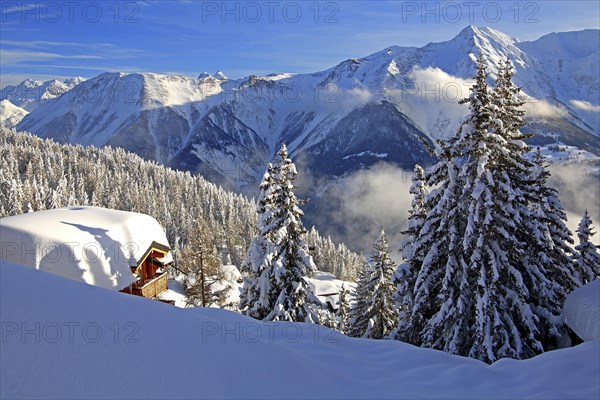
point(66, 339)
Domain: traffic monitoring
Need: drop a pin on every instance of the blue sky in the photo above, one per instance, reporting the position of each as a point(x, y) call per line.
point(85, 38)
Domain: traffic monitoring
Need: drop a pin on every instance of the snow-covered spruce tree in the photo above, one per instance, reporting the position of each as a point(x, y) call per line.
point(327, 318)
point(418, 211)
point(550, 257)
point(343, 312)
point(472, 295)
point(404, 277)
point(358, 317)
point(550, 215)
point(374, 316)
point(383, 315)
point(258, 295)
point(547, 261)
point(508, 113)
point(587, 261)
point(333, 258)
point(278, 258)
point(296, 301)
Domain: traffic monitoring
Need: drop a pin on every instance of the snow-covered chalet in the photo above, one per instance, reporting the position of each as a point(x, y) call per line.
point(118, 250)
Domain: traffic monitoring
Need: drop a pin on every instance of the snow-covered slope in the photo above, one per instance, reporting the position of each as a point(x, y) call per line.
point(30, 93)
point(571, 61)
point(65, 339)
point(10, 115)
point(348, 117)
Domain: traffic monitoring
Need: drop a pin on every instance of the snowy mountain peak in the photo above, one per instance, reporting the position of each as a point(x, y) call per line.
point(204, 75)
point(32, 82)
point(74, 81)
point(30, 93)
point(207, 77)
point(221, 76)
point(485, 39)
point(485, 32)
point(10, 115)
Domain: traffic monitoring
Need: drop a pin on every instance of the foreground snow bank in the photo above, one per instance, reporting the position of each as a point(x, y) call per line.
point(66, 339)
point(582, 311)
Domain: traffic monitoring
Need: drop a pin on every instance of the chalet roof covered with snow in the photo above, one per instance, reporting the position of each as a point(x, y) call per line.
point(94, 245)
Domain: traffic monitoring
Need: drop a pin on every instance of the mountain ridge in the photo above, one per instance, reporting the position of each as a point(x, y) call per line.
point(229, 128)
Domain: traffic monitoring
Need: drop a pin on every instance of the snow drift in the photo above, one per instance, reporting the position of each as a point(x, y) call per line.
point(65, 339)
point(582, 311)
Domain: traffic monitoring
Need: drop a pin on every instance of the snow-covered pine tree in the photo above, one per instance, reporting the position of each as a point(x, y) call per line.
point(404, 277)
point(258, 294)
point(358, 317)
point(278, 260)
point(373, 314)
point(550, 273)
point(550, 227)
point(547, 259)
point(342, 313)
point(442, 306)
point(14, 196)
point(417, 213)
point(491, 249)
point(507, 110)
point(587, 261)
point(383, 317)
point(327, 318)
point(291, 259)
point(472, 294)
point(435, 249)
point(358, 321)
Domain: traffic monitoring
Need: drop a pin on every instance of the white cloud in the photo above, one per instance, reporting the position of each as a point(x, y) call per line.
point(368, 200)
point(38, 43)
point(433, 100)
point(14, 57)
point(541, 108)
point(358, 95)
point(335, 98)
point(15, 52)
point(10, 8)
point(579, 190)
point(585, 105)
point(330, 98)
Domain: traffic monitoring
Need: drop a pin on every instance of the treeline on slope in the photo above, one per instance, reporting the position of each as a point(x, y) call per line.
point(38, 174)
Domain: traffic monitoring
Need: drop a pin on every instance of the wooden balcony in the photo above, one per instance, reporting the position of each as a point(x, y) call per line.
point(152, 287)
